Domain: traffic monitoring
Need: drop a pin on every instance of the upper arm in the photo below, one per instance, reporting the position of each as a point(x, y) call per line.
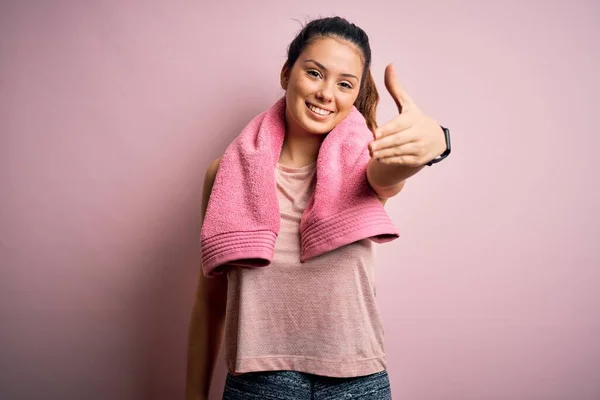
point(209, 180)
point(215, 288)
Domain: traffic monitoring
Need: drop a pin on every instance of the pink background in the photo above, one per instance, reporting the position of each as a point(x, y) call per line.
point(110, 113)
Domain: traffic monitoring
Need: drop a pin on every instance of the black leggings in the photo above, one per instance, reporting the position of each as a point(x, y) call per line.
point(294, 385)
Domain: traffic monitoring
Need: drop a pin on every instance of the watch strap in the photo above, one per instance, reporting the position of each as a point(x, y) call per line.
point(446, 152)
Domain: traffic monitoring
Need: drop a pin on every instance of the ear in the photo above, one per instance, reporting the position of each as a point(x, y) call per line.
point(284, 76)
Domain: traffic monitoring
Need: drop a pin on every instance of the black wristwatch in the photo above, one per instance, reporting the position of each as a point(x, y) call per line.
point(446, 152)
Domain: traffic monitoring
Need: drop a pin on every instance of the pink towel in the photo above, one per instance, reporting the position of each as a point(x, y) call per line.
point(242, 218)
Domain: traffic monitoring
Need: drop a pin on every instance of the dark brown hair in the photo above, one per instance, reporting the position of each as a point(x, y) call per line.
point(338, 27)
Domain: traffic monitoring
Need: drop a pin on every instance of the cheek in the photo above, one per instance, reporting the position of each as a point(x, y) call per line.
point(346, 103)
point(341, 116)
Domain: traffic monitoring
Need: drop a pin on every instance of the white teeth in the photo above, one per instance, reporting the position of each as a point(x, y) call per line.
point(318, 110)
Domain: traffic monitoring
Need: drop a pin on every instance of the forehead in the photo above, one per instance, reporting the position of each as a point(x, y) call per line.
point(337, 55)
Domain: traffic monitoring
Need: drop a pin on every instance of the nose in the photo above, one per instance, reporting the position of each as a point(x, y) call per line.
point(325, 92)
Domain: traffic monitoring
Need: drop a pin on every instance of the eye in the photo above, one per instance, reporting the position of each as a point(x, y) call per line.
point(313, 72)
point(346, 85)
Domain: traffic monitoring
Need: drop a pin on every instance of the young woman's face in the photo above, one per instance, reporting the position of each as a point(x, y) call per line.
point(322, 85)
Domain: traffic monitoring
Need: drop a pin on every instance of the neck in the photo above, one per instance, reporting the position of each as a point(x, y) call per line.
point(300, 148)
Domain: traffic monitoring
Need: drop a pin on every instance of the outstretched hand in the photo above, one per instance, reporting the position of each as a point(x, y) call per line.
point(411, 138)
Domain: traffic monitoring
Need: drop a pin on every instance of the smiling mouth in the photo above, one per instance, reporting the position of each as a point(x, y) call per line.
point(317, 110)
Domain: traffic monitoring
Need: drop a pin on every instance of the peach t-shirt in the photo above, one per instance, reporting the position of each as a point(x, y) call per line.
point(318, 317)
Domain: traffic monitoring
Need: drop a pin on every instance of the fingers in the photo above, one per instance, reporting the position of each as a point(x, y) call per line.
point(408, 160)
point(399, 123)
point(390, 143)
point(407, 151)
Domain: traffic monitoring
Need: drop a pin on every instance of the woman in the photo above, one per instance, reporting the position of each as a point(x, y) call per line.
point(311, 330)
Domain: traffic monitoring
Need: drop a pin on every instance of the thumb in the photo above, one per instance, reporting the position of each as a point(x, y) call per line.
point(401, 98)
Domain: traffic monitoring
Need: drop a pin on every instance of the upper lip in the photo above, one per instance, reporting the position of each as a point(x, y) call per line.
point(322, 108)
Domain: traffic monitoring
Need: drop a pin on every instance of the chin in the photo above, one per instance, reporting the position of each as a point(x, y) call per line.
point(318, 129)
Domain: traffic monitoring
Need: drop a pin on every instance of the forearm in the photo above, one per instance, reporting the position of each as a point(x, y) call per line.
point(388, 180)
point(205, 339)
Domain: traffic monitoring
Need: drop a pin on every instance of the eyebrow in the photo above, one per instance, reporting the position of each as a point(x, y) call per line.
point(324, 68)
